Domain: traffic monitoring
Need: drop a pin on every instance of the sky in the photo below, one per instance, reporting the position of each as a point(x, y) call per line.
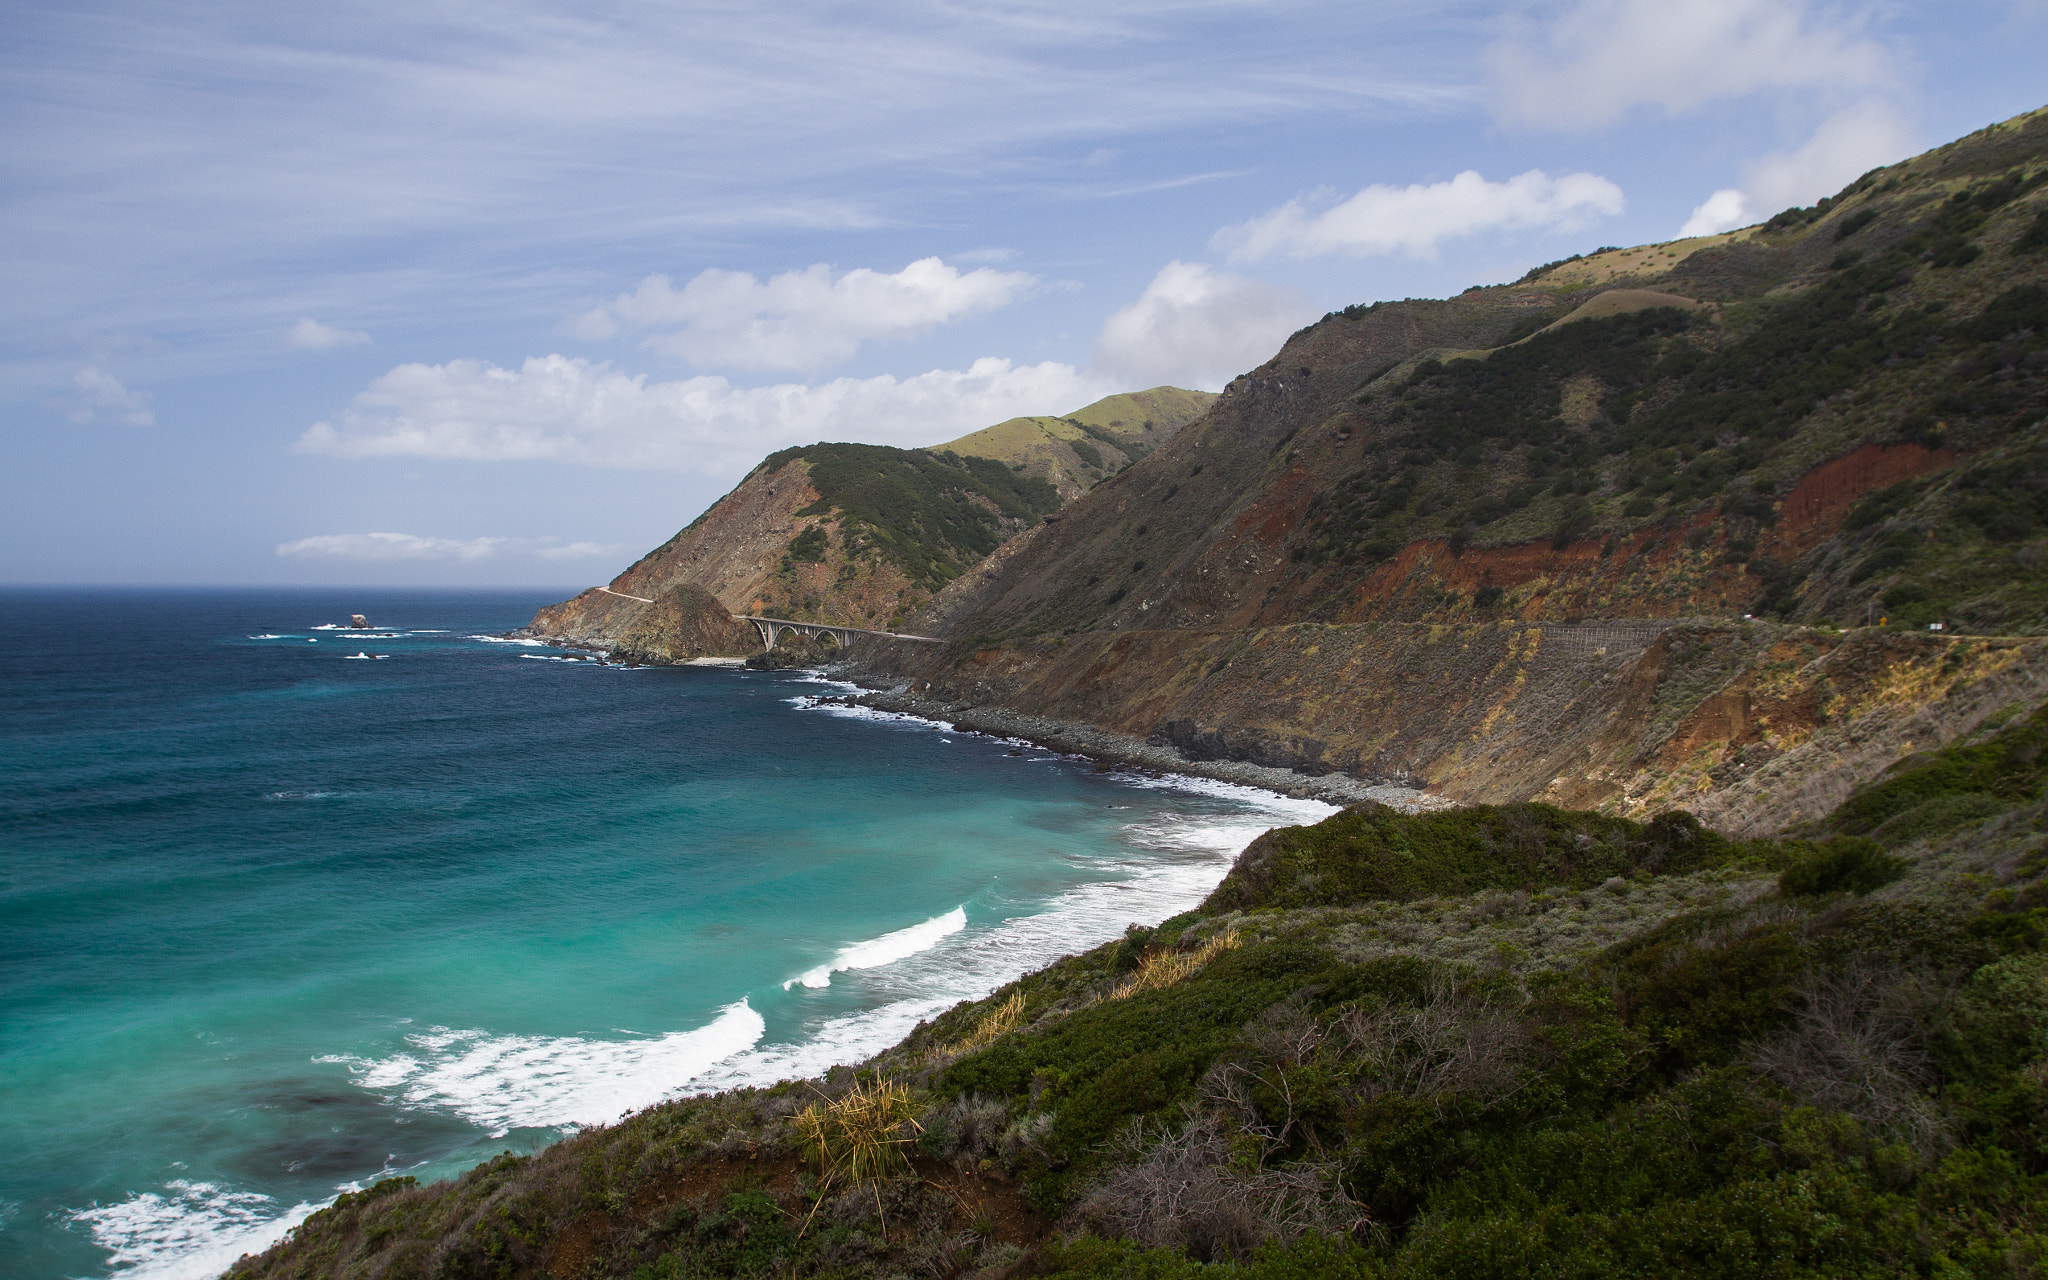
point(490, 295)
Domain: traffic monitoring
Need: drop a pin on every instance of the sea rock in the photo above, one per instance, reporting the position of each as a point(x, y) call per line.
point(358, 621)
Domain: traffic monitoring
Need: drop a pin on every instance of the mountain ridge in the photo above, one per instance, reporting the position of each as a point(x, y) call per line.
point(1848, 427)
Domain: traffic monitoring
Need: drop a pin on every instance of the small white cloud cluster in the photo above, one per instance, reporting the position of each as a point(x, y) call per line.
point(565, 409)
point(799, 320)
point(1197, 327)
point(1414, 219)
point(1849, 144)
point(387, 548)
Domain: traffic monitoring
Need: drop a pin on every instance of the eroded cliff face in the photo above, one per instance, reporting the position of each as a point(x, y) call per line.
point(1753, 726)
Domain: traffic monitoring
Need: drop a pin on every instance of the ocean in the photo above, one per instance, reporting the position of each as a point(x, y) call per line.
point(287, 908)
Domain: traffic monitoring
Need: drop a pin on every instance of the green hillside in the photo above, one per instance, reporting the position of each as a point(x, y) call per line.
point(931, 514)
point(1079, 450)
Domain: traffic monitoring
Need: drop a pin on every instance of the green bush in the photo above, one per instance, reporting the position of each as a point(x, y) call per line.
point(1370, 852)
point(2007, 769)
point(1842, 864)
point(926, 512)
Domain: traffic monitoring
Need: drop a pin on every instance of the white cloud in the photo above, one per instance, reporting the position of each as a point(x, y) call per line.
point(310, 335)
point(387, 547)
point(1414, 219)
point(1197, 327)
point(102, 397)
point(563, 409)
point(1847, 145)
point(1602, 58)
point(1850, 143)
point(1725, 210)
point(800, 319)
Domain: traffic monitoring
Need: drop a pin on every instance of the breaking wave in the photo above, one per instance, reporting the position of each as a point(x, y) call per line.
point(887, 949)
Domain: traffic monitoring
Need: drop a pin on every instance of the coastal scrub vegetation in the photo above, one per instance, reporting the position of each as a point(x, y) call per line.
point(930, 514)
point(1926, 327)
point(1493, 1042)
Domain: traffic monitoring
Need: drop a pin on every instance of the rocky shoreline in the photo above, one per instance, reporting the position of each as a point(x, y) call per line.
point(1110, 748)
point(1104, 746)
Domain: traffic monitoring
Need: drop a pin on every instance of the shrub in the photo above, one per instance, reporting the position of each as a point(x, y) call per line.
point(1372, 852)
point(2009, 768)
point(1842, 864)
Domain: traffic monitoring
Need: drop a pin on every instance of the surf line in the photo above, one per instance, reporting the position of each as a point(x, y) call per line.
point(623, 596)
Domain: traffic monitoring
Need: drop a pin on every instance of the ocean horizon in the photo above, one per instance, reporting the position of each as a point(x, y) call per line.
point(288, 907)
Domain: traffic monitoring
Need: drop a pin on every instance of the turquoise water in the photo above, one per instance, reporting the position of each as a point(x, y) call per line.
point(285, 909)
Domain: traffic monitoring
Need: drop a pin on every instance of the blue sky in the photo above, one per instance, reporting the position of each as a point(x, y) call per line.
point(436, 293)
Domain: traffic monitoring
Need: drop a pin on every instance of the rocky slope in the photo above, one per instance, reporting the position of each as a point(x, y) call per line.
point(1504, 544)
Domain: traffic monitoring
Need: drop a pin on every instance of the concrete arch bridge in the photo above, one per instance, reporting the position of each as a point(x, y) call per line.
point(771, 630)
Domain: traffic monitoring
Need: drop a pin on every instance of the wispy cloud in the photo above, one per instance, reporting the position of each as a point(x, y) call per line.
point(563, 409)
point(1414, 220)
point(201, 159)
point(388, 548)
point(101, 398)
point(310, 335)
point(799, 320)
point(1592, 62)
point(581, 550)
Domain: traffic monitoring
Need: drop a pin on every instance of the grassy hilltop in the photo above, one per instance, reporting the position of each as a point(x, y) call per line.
point(859, 534)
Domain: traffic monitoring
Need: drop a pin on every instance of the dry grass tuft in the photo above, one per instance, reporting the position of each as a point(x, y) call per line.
point(1169, 967)
point(991, 1028)
point(861, 1136)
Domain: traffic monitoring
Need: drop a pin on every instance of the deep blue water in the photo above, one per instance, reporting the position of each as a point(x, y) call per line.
point(285, 909)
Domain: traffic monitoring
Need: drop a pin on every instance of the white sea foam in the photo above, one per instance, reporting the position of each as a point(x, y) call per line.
point(814, 702)
point(1185, 857)
point(535, 644)
point(188, 1231)
point(556, 657)
point(887, 949)
point(364, 657)
point(505, 1082)
point(268, 636)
